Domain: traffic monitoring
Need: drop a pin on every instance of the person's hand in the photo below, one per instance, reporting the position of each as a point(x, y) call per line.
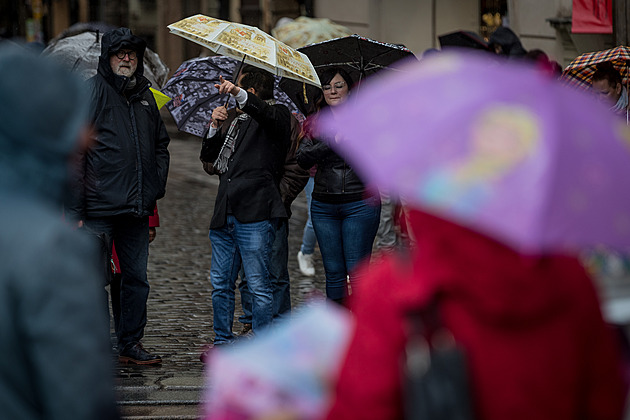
point(225, 86)
point(219, 115)
point(152, 234)
point(80, 224)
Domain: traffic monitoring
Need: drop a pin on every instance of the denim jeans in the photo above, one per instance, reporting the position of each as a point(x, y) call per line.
point(131, 235)
point(279, 274)
point(308, 237)
point(345, 233)
point(234, 244)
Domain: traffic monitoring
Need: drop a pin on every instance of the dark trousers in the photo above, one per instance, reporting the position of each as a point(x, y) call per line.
point(130, 295)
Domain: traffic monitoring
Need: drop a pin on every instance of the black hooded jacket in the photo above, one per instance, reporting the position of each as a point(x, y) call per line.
point(125, 169)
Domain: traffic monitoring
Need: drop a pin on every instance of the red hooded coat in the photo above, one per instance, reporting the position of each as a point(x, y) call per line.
point(536, 344)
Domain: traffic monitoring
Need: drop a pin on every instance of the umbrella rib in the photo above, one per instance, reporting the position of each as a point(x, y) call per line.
point(344, 63)
point(378, 56)
point(193, 110)
point(191, 79)
point(80, 58)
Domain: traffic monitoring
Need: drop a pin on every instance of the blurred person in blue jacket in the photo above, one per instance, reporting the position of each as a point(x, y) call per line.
point(56, 360)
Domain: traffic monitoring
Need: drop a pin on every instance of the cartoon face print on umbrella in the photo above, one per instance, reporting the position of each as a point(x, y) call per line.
point(501, 137)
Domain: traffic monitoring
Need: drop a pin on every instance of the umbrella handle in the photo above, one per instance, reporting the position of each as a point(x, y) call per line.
point(238, 72)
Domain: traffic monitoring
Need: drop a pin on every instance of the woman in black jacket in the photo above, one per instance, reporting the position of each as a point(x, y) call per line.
point(345, 218)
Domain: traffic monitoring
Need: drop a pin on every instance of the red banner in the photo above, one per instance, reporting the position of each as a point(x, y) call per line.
point(592, 17)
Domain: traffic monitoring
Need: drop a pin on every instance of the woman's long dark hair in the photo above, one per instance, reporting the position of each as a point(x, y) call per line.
point(327, 75)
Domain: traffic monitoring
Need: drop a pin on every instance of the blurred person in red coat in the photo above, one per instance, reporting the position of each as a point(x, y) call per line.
point(534, 339)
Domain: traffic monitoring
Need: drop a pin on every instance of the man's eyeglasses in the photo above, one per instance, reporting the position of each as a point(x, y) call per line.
point(121, 54)
point(338, 85)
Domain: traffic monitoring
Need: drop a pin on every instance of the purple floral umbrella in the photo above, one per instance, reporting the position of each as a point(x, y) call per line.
point(497, 147)
point(194, 95)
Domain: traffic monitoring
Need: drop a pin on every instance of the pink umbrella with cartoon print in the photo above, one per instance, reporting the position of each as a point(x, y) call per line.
point(495, 146)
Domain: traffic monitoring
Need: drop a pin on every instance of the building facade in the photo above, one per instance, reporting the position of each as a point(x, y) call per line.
point(417, 24)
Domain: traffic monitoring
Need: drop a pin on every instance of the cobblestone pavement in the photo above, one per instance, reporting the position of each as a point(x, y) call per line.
point(179, 309)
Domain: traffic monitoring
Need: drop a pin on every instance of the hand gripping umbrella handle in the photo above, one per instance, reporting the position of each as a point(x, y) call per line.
point(240, 67)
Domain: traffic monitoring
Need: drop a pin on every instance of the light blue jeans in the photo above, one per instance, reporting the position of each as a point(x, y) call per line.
point(309, 240)
point(234, 244)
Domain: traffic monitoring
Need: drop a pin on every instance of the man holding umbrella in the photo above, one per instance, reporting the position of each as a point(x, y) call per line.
point(122, 175)
point(252, 146)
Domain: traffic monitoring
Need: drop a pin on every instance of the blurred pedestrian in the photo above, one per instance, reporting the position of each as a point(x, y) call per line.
point(250, 146)
point(345, 218)
point(531, 328)
point(122, 175)
point(56, 360)
point(610, 268)
point(606, 83)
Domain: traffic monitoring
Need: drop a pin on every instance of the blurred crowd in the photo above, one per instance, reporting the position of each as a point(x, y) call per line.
point(428, 314)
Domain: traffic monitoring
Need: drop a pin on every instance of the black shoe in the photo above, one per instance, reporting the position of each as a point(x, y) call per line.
point(135, 353)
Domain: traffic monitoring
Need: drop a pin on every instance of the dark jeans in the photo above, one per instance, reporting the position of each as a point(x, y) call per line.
point(234, 244)
point(345, 234)
point(279, 274)
point(131, 235)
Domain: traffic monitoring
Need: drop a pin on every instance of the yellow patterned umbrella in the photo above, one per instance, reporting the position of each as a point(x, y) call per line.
point(304, 31)
point(249, 44)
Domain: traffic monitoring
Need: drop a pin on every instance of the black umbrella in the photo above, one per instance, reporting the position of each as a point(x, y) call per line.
point(464, 39)
point(358, 55)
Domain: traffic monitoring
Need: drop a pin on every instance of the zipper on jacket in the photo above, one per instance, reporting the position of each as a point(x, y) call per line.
point(134, 136)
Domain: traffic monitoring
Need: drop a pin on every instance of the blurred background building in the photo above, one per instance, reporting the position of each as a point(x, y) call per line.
point(544, 24)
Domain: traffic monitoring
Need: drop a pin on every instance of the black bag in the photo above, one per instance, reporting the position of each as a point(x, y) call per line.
point(436, 384)
point(209, 153)
point(106, 259)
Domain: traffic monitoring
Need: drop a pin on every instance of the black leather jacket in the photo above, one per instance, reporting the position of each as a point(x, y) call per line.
point(335, 180)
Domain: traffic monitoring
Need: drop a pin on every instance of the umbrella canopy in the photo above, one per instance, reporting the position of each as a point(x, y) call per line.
point(580, 71)
point(81, 27)
point(358, 55)
point(500, 148)
point(304, 31)
point(194, 95)
point(246, 43)
point(464, 39)
point(80, 53)
point(288, 366)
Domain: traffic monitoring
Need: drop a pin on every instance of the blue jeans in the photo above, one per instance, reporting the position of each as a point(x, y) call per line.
point(131, 235)
point(308, 237)
point(345, 233)
point(233, 244)
point(279, 274)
